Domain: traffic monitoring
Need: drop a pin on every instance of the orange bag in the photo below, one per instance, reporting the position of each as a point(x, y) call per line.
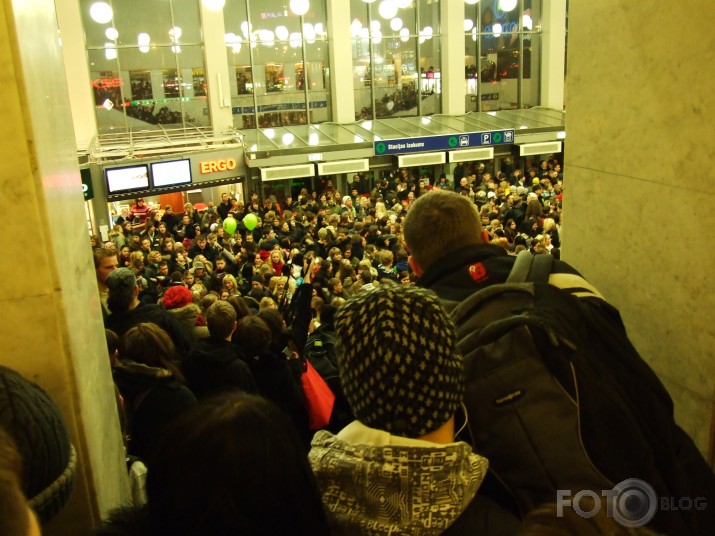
point(319, 399)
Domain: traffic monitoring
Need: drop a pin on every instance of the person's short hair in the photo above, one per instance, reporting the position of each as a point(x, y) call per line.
point(102, 253)
point(385, 256)
point(207, 301)
point(220, 319)
point(253, 335)
point(438, 223)
point(365, 276)
point(122, 284)
point(332, 283)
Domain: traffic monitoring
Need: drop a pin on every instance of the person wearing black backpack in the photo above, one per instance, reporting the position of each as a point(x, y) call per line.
point(557, 397)
point(320, 350)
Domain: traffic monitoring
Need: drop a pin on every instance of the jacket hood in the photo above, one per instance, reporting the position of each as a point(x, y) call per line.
point(402, 487)
point(187, 315)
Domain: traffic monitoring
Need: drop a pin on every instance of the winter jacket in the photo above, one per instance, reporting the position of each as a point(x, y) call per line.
point(153, 398)
point(214, 366)
point(375, 483)
point(189, 318)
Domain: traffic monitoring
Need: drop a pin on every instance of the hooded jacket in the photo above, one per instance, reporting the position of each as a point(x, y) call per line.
point(373, 482)
point(190, 318)
point(153, 398)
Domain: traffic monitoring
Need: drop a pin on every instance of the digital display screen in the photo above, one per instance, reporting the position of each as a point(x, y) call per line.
point(171, 173)
point(127, 179)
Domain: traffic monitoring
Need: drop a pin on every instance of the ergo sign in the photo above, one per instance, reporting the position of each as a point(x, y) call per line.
point(213, 166)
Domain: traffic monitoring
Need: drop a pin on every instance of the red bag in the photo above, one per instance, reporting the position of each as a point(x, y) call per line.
point(319, 399)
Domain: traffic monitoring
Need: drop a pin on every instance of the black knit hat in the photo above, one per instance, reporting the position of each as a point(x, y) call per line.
point(399, 365)
point(34, 422)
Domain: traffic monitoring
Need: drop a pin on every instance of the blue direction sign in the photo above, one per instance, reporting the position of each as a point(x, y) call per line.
point(443, 143)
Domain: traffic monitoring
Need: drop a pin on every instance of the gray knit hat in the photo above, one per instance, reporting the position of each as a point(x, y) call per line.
point(399, 365)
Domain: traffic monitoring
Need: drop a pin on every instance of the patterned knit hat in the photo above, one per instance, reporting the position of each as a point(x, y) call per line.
point(400, 368)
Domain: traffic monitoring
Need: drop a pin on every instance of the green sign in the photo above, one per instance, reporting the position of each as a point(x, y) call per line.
point(87, 184)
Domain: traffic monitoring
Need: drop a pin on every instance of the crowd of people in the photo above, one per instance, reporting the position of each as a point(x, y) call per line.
point(213, 318)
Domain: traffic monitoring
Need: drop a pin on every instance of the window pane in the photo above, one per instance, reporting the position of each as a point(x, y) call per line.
point(532, 71)
point(107, 91)
point(318, 82)
point(131, 21)
point(186, 17)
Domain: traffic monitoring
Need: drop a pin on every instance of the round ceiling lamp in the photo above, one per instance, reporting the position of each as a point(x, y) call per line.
point(282, 33)
point(471, 2)
point(111, 33)
point(214, 5)
point(299, 7)
point(507, 5)
point(101, 12)
point(387, 9)
point(468, 25)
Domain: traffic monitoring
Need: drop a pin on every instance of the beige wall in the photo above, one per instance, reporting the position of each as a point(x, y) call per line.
point(640, 154)
point(51, 328)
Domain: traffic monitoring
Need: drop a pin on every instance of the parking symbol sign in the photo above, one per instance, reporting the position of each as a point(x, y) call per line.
point(486, 139)
point(464, 141)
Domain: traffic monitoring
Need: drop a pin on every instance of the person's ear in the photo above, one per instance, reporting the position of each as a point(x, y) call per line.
point(416, 268)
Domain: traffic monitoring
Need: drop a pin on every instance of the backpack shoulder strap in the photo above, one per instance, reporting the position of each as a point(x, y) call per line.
point(522, 266)
point(531, 268)
point(541, 268)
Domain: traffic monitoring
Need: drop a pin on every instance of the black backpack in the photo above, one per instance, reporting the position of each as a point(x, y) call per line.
point(558, 399)
point(320, 352)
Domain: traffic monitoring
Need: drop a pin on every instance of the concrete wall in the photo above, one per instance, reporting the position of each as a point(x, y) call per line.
point(639, 175)
point(51, 328)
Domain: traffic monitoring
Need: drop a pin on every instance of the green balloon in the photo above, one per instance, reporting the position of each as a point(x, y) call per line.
point(229, 225)
point(250, 221)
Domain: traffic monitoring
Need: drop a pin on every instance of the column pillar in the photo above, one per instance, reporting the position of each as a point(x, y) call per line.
point(217, 74)
point(52, 329)
point(342, 93)
point(553, 21)
point(452, 31)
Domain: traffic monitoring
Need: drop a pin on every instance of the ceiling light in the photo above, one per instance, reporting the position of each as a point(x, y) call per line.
point(299, 7)
point(214, 5)
point(507, 5)
point(387, 9)
point(101, 12)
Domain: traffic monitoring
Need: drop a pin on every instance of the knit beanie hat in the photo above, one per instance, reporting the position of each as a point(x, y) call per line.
point(35, 424)
point(176, 297)
point(400, 368)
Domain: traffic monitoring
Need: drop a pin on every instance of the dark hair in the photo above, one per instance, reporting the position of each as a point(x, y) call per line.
point(253, 335)
point(240, 305)
point(232, 465)
point(148, 344)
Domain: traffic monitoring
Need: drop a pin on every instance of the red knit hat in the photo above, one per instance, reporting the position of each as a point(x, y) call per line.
point(178, 296)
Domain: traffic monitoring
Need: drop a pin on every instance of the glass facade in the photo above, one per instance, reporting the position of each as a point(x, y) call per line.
point(502, 54)
point(278, 63)
point(146, 71)
point(396, 58)
point(151, 71)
